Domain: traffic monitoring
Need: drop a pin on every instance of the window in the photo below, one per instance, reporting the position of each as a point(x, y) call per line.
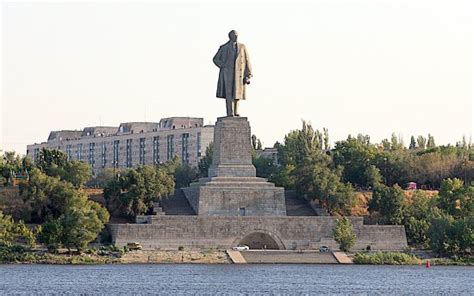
point(170, 147)
point(184, 148)
point(198, 144)
point(79, 152)
point(156, 150)
point(128, 157)
point(103, 154)
point(116, 154)
point(69, 152)
point(142, 150)
point(241, 211)
point(35, 154)
point(92, 154)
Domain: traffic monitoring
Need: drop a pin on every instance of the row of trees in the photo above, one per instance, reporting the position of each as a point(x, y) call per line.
point(443, 222)
point(54, 201)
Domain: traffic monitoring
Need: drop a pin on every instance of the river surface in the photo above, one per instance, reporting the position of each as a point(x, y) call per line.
point(184, 279)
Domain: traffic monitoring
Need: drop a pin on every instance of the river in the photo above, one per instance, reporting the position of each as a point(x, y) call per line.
point(194, 279)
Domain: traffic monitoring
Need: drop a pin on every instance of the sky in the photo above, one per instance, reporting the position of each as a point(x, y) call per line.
point(361, 66)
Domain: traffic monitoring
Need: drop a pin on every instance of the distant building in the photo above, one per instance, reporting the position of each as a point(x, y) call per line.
point(269, 153)
point(132, 143)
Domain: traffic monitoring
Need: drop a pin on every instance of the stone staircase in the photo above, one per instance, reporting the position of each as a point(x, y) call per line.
point(296, 205)
point(176, 204)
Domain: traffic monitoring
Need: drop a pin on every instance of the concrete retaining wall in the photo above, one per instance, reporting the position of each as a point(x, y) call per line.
point(171, 232)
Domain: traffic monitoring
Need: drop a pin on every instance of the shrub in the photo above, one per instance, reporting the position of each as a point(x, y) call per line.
point(391, 258)
point(344, 234)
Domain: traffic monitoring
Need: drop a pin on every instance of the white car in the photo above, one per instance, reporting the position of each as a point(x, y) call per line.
point(241, 248)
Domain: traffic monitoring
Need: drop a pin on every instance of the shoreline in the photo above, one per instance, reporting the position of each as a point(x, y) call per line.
point(184, 257)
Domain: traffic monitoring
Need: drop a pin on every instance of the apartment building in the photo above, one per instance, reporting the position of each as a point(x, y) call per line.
point(132, 143)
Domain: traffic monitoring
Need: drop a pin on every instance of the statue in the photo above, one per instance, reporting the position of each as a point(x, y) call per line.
point(235, 72)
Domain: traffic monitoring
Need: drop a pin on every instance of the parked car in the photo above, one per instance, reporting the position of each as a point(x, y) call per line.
point(324, 249)
point(241, 248)
point(134, 246)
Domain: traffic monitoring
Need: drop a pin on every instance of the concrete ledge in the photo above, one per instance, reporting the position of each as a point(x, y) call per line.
point(342, 258)
point(236, 257)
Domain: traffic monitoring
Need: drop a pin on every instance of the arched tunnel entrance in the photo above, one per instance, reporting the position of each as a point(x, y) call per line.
point(260, 240)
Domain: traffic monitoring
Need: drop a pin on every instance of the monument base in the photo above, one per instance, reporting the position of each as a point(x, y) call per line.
point(232, 188)
point(236, 196)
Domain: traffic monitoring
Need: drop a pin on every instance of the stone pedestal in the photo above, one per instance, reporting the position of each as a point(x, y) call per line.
point(232, 188)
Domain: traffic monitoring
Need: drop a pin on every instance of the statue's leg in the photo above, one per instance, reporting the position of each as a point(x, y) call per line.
point(236, 107)
point(228, 105)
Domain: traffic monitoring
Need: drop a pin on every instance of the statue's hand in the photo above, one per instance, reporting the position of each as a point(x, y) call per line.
point(247, 80)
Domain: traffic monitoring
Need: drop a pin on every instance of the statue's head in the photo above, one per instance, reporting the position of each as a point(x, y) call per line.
point(233, 35)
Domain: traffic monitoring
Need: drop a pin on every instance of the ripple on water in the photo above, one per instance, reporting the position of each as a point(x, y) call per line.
point(235, 279)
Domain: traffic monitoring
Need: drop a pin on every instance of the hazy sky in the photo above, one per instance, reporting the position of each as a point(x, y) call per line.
point(372, 67)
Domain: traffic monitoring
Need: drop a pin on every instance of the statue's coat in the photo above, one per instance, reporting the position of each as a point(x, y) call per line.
point(232, 78)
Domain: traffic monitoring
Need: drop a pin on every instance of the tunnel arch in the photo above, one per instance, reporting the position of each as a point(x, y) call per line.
point(260, 239)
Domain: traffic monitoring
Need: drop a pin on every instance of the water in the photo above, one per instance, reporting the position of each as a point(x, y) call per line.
point(235, 279)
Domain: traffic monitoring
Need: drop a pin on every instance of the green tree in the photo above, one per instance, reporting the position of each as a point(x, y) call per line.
point(206, 161)
point(55, 163)
point(265, 167)
point(431, 142)
point(388, 202)
point(417, 214)
point(15, 233)
point(412, 143)
point(451, 237)
point(344, 234)
point(455, 199)
point(51, 234)
point(356, 156)
point(82, 222)
point(373, 176)
point(421, 142)
point(134, 192)
point(46, 196)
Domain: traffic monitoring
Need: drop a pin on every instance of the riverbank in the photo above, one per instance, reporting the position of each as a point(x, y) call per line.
point(112, 255)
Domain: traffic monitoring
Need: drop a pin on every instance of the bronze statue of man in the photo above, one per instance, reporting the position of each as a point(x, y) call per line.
point(235, 72)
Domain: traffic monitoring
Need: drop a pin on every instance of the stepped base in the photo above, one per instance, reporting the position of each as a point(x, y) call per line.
point(236, 196)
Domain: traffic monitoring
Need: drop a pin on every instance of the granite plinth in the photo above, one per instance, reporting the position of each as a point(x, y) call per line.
point(232, 188)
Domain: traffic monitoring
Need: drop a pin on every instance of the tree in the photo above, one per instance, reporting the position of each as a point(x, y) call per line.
point(412, 143)
point(421, 142)
point(206, 161)
point(55, 163)
point(417, 213)
point(451, 237)
point(431, 142)
point(454, 199)
point(10, 165)
point(46, 196)
point(265, 167)
point(356, 156)
point(344, 234)
point(373, 176)
point(185, 175)
point(388, 201)
point(82, 222)
point(135, 191)
point(14, 233)
point(51, 234)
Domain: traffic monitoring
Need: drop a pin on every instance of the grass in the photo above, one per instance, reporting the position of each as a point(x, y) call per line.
point(389, 258)
point(20, 254)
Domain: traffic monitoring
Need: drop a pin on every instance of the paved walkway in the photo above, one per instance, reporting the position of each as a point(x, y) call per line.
point(288, 256)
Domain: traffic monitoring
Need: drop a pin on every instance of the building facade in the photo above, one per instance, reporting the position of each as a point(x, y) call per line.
point(132, 143)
